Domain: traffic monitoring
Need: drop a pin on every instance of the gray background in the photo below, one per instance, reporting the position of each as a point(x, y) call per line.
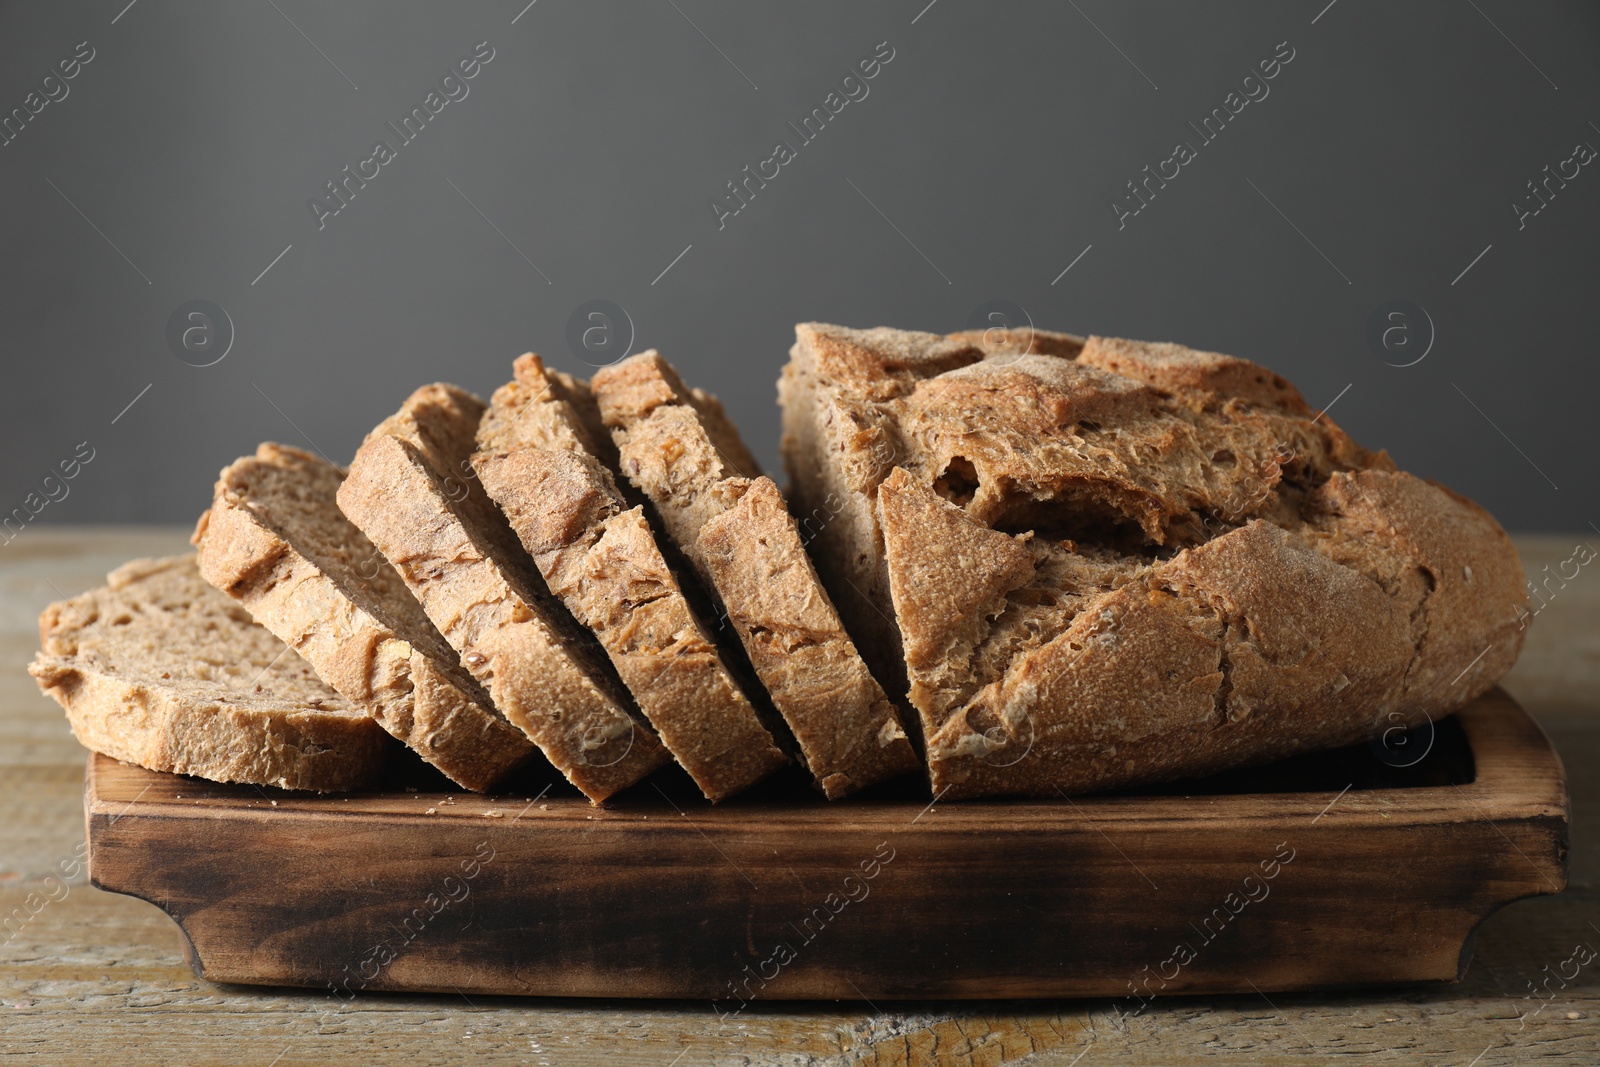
point(1391, 149)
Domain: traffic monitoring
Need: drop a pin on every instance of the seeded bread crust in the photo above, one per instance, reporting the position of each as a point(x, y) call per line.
point(275, 541)
point(412, 490)
point(540, 464)
point(682, 452)
point(159, 669)
point(1113, 562)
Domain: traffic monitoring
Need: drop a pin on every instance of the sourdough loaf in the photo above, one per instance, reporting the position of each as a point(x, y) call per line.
point(159, 669)
point(1112, 562)
point(682, 452)
point(412, 490)
point(275, 540)
point(541, 464)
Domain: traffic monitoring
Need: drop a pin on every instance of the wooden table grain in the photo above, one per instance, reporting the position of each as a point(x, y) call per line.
point(88, 976)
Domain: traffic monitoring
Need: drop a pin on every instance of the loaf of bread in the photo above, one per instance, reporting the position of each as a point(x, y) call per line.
point(679, 449)
point(1065, 565)
point(159, 669)
point(275, 540)
point(412, 490)
point(544, 463)
point(1112, 562)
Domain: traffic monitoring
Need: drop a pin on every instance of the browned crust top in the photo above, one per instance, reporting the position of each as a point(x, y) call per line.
point(1114, 561)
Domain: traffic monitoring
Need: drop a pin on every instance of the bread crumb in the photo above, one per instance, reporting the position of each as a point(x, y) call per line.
point(274, 803)
point(431, 811)
point(544, 807)
point(493, 815)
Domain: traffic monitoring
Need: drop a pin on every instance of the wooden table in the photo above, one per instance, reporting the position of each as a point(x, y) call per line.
point(95, 977)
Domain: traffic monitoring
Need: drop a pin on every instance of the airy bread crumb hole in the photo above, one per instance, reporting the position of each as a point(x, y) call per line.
point(959, 483)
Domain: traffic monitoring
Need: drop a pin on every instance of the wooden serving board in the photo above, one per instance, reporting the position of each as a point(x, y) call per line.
point(1337, 869)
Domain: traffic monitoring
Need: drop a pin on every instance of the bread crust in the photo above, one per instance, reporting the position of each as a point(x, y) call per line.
point(412, 490)
point(540, 463)
point(336, 601)
point(680, 450)
point(1114, 562)
point(157, 668)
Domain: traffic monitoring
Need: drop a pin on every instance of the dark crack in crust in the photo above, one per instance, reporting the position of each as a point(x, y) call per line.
point(1112, 562)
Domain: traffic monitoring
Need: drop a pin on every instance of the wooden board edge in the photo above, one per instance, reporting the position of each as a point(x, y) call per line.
point(1517, 767)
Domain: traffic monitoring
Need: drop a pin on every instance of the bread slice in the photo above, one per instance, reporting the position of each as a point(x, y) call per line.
point(1113, 562)
point(682, 452)
point(540, 463)
point(275, 540)
point(159, 669)
point(412, 490)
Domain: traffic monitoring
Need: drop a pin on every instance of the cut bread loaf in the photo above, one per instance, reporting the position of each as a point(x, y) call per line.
point(1113, 562)
point(159, 669)
point(275, 540)
point(541, 464)
point(680, 450)
point(412, 490)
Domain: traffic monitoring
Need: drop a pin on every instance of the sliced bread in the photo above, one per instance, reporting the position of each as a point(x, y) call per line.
point(275, 540)
point(1113, 562)
point(682, 452)
point(412, 490)
point(159, 669)
point(541, 464)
